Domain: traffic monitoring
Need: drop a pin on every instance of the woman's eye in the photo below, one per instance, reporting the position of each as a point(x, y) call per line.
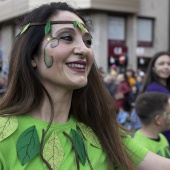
point(162, 63)
point(88, 41)
point(67, 38)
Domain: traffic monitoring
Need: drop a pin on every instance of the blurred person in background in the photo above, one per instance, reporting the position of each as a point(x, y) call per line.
point(131, 98)
point(157, 78)
point(121, 91)
point(153, 110)
point(123, 118)
point(110, 82)
point(130, 76)
point(113, 70)
point(158, 74)
point(139, 82)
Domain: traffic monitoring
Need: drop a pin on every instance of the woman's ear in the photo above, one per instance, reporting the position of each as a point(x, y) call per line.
point(33, 62)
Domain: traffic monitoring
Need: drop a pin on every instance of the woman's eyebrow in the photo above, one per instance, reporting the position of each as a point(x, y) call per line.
point(88, 34)
point(72, 30)
point(66, 29)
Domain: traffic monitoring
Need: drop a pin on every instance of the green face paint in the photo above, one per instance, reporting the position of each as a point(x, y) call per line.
point(48, 60)
point(54, 43)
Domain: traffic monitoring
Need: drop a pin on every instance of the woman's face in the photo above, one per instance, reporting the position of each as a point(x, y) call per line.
point(162, 67)
point(65, 61)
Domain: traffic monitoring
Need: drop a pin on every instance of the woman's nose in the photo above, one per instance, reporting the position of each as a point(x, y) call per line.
point(80, 49)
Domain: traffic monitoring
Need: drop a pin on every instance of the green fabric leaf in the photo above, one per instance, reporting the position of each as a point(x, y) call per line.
point(8, 125)
point(25, 28)
point(89, 135)
point(80, 25)
point(28, 145)
point(53, 152)
point(79, 146)
point(75, 23)
point(47, 28)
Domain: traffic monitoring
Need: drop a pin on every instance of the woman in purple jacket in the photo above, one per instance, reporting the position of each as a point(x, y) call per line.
point(158, 77)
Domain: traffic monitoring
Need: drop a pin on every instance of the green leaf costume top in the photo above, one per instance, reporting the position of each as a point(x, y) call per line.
point(20, 144)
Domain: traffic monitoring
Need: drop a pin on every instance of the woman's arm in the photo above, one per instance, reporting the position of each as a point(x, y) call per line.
point(154, 162)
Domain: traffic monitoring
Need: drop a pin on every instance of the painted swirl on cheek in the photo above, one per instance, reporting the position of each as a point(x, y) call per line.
point(54, 43)
point(48, 60)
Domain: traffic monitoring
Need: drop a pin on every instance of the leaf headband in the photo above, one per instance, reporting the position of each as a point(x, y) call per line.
point(49, 23)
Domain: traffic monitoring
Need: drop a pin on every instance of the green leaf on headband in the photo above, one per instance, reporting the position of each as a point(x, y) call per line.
point(8, 125)
point(28, 145)
point(47, 28)
point(75, 23)
point(53, 151)
point(25, 28)
point(78, 141)
point(80, 25)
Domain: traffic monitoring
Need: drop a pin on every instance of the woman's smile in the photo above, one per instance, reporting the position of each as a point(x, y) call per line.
point(77, 66)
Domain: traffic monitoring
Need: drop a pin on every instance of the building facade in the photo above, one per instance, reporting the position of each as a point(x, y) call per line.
point(126, 32)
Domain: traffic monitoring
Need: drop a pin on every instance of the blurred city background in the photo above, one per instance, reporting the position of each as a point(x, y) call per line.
point(127, 33)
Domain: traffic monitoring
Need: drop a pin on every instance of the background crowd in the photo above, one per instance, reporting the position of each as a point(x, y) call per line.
point(3, 77)
point(143, 103)
point(126, 86)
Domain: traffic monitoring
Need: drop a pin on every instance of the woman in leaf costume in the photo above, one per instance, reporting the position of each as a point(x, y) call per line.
point(56, 113)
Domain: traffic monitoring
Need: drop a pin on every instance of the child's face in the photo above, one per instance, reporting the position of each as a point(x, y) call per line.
point(167, 116)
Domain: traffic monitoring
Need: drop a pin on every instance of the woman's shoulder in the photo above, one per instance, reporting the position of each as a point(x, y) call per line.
point(157, 88)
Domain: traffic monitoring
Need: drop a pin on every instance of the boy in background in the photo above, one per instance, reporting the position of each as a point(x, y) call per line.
point(153, 110)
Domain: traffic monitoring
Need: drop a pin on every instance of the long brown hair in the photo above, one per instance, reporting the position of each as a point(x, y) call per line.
point(92, 105)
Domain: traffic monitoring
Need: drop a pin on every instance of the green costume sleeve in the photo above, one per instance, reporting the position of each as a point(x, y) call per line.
point(136, 151)
point(1, 167)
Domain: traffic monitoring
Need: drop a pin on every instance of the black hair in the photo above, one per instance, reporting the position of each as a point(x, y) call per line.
point(150, 104)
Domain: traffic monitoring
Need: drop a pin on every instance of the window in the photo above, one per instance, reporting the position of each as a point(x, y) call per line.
point(116, 30)
point(145, 32)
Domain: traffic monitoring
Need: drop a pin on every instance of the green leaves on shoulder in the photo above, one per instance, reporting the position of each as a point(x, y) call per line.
point(89, 135)
point(53, 151)
point(28, 145)
point(78, 141)
point(8, 125)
